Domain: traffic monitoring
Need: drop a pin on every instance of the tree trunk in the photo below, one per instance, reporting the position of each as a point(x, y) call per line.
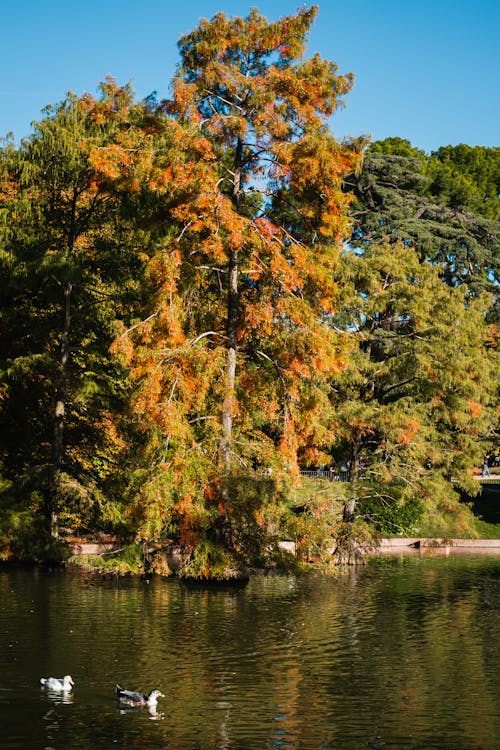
point(350, 505)
point(349, 510)
point(350, 551)
point(59, 415)
point(232, 326)
point(232, 331)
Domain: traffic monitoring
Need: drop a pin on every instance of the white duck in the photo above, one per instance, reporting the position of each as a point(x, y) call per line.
point(57, 683)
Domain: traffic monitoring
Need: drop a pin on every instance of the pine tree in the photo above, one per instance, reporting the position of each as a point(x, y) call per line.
point(434, 205)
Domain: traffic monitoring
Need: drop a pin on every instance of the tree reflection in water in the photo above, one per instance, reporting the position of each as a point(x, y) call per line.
point(403, 652)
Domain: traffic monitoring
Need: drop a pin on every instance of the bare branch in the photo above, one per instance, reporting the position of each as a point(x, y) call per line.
point(221, 99)
point(173, 388)
point(184, 229)
point(204, 335)
point(140, 323)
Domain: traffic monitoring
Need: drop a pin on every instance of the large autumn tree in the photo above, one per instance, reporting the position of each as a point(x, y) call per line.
point(230, 361)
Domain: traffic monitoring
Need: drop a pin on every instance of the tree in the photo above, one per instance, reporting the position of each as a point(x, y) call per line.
point(418, 397)
point(239, 291)
point(466, 177)
point(67, 272)
point(433, 204)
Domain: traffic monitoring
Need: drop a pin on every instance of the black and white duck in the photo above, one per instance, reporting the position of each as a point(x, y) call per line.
point(132, 698)
point(57, 683)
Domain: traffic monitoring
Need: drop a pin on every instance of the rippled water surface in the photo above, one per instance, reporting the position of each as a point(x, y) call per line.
point(401, 654)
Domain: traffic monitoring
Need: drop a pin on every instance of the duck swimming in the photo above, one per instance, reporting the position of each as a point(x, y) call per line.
point(131, 698)
point(57, 683)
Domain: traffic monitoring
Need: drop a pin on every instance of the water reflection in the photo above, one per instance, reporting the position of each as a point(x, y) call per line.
point(153, 711)
point(404, 652)
point(154, 714)
point(58, 696)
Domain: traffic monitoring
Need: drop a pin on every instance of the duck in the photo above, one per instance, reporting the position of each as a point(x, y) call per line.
point(57, 683)
point(133, 698)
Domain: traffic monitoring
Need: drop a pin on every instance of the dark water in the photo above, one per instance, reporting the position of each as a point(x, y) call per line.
point(402, 654)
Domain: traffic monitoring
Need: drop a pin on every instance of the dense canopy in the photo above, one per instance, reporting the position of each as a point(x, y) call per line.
point(203, 297)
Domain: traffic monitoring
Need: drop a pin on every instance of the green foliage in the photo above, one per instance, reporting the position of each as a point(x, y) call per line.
point(445, 515)
point(395, 512)
point(419, 392)
point(467, 177)
point(445, 206)
point(316, 512)
point(487, 530)
point(182, 325)
point(256, 515)
point(67, 273)
point(25, 537)
point(352, 540)
point(211, 561)
point(130, 560)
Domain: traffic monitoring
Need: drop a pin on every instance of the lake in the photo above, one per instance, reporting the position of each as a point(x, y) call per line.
point(402, 653)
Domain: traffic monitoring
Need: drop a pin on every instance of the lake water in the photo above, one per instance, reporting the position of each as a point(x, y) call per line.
point(403, 653)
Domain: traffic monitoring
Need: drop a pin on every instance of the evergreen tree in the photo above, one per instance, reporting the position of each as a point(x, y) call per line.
point(418, 397)
point(434, 205)
point(66, 269)
point(466, 178)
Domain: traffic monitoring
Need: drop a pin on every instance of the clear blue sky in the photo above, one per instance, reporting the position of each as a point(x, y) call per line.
point(427, 71)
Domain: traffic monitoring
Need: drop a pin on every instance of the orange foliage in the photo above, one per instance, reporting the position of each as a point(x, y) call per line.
point(475, 409)
point(267, 229)
point(211, 492)
point(285, 283)
point(406, 435)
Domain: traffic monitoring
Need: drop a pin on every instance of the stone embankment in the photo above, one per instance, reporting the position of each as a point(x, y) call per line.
point(98, 545)
point(108, 544)
point(417, 544)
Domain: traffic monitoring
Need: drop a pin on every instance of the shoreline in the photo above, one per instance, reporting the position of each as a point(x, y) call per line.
point(396, 544)
point(429, 546)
